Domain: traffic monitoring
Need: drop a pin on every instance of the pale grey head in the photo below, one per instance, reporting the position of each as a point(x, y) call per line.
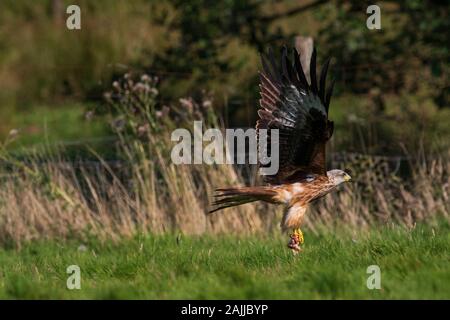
point(337, 176)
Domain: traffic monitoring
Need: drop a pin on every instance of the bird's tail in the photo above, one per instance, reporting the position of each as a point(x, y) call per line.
point(231, 197)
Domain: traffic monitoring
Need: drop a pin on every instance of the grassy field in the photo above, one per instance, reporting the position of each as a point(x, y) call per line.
point(46, 128)
point(414, 264)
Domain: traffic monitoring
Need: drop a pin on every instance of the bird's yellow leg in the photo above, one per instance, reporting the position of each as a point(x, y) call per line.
point(299, 234)
point(296, 240)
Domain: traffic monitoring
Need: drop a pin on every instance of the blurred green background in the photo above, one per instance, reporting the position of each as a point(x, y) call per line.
point(51, 76)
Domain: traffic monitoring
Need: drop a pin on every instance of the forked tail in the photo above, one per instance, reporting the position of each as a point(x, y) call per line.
point(231, 197)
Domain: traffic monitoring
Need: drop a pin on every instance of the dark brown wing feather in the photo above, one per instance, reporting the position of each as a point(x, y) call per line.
point(299, 111)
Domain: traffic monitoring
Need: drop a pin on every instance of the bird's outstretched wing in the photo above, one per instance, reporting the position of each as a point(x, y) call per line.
point(299, 111)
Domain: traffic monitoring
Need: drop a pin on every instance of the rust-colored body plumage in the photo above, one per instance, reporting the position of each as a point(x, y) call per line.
point(294, 196)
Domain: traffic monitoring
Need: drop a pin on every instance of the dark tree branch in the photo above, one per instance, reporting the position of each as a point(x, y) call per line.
point(292, 11)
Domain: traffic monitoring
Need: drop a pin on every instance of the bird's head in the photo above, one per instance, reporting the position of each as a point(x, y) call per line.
point(338, 176)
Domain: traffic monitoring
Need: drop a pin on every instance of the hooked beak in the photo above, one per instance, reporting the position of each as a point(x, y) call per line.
point(347, 178)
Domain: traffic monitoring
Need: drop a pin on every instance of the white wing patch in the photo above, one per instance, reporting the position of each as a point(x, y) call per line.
point(287, 196)
point(297, 188)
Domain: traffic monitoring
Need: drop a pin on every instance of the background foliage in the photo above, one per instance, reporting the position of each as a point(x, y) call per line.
point(396, 74)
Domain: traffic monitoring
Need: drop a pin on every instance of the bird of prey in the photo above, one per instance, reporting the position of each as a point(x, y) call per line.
point(299, 110)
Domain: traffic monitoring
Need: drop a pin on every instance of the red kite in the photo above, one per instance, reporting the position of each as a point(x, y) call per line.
point(299, 110)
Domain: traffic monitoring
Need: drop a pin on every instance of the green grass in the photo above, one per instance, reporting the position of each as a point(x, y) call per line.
point(52, 124)
point(60, 128)
point(414, 264)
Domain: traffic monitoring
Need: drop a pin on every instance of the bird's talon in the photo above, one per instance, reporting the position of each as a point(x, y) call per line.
point(299, 236)
point(296, 240)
